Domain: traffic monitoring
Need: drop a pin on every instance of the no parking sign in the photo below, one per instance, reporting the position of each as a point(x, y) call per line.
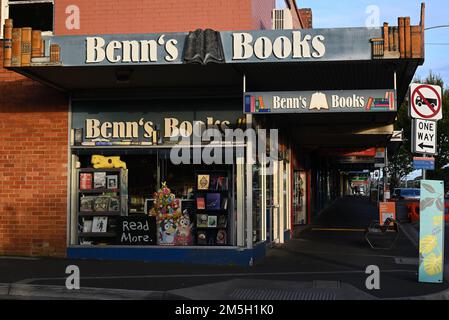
point(425, 102)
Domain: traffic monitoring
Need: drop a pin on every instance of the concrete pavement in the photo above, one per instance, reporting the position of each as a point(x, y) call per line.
point(326, 262)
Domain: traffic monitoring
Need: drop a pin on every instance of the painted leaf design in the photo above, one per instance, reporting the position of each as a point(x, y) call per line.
point(440, 205)
point(429, 188)
point(427, 244)
point(437, 221)
point(426, 203)
point(433, 264)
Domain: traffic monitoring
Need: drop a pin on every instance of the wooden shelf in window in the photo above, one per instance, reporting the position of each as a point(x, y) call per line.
point(90, 191)
point(97, 234)
point(99, 214)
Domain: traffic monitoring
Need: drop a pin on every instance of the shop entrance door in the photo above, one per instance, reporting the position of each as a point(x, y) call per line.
point(273, 206)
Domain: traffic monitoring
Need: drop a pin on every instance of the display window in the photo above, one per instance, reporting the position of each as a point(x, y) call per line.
point(147, 200)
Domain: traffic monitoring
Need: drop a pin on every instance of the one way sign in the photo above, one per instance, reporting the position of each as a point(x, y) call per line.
point(424, 136)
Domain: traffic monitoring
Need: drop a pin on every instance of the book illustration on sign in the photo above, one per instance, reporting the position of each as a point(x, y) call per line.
point(213, 201)
point(381, 103)
point(203, 181)
point(99, 180)
point(85, 181)
point(100, 224)
point(202, 221)
point(87, 204)
point(318, 101)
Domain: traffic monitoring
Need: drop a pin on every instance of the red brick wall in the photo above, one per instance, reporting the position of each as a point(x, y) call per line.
point(306, 17)
point(261, 13)
point(137, 16)
point(33, 167)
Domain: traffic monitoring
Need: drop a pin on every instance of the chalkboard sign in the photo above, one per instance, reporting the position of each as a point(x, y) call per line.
point(138, 230)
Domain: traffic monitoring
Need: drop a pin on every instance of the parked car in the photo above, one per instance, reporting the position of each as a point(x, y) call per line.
point(406, 194)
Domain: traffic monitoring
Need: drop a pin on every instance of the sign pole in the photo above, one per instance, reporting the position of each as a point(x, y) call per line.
point(424, 171)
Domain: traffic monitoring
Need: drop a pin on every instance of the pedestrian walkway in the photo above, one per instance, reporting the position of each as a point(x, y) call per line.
point(328, 261)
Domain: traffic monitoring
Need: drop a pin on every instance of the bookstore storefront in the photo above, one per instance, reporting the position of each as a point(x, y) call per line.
point(147, 183)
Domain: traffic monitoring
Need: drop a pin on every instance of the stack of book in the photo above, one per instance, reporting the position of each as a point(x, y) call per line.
point(24, 47)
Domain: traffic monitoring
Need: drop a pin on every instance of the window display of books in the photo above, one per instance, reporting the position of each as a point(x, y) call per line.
point(212, 204)
point(212, 182)
point(99, 204)
point(102, 195)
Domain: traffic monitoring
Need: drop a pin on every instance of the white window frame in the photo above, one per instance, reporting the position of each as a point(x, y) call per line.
point(5, 12)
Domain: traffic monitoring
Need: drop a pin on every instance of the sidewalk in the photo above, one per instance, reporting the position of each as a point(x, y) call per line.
point(326, 262)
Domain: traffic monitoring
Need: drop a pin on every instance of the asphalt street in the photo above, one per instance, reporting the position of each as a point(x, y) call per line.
point(329, 253)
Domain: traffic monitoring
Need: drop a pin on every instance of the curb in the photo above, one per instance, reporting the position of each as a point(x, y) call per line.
point(59, 292)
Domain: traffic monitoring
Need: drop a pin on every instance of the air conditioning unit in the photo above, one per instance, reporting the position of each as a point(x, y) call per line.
point(282, 19)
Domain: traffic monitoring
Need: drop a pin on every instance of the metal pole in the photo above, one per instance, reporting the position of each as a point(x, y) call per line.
point(424, 172)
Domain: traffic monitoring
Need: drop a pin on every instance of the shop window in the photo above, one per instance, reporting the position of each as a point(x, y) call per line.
point(37, 14)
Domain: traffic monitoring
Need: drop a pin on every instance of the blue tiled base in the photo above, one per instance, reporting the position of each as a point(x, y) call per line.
point(210, 256)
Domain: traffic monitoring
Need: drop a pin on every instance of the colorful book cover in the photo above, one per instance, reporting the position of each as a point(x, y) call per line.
point(200, 203)
point(87, 204)
point(212, 221)
point(203, 181)
point(222, 183)
point(100, 224)
point(392, 101)
point(369, 104)
point(253, 104)
point(213, 201)
point(99, 180)
point(261, 105)
point(201, 238)
point(85, 181)
point(202, 220)
point(248, 104)
point(221, 237)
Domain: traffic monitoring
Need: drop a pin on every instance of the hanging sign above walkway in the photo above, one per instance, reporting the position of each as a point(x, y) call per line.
point(425, 102)
point(320, 101)
point(424, 136)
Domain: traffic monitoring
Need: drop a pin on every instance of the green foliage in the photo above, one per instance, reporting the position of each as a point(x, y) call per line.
point(401, 164)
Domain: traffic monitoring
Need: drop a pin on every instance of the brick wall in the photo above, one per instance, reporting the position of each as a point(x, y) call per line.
point(33, 167)
point(137, 16)
point(261, 13)
point(306, 17)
